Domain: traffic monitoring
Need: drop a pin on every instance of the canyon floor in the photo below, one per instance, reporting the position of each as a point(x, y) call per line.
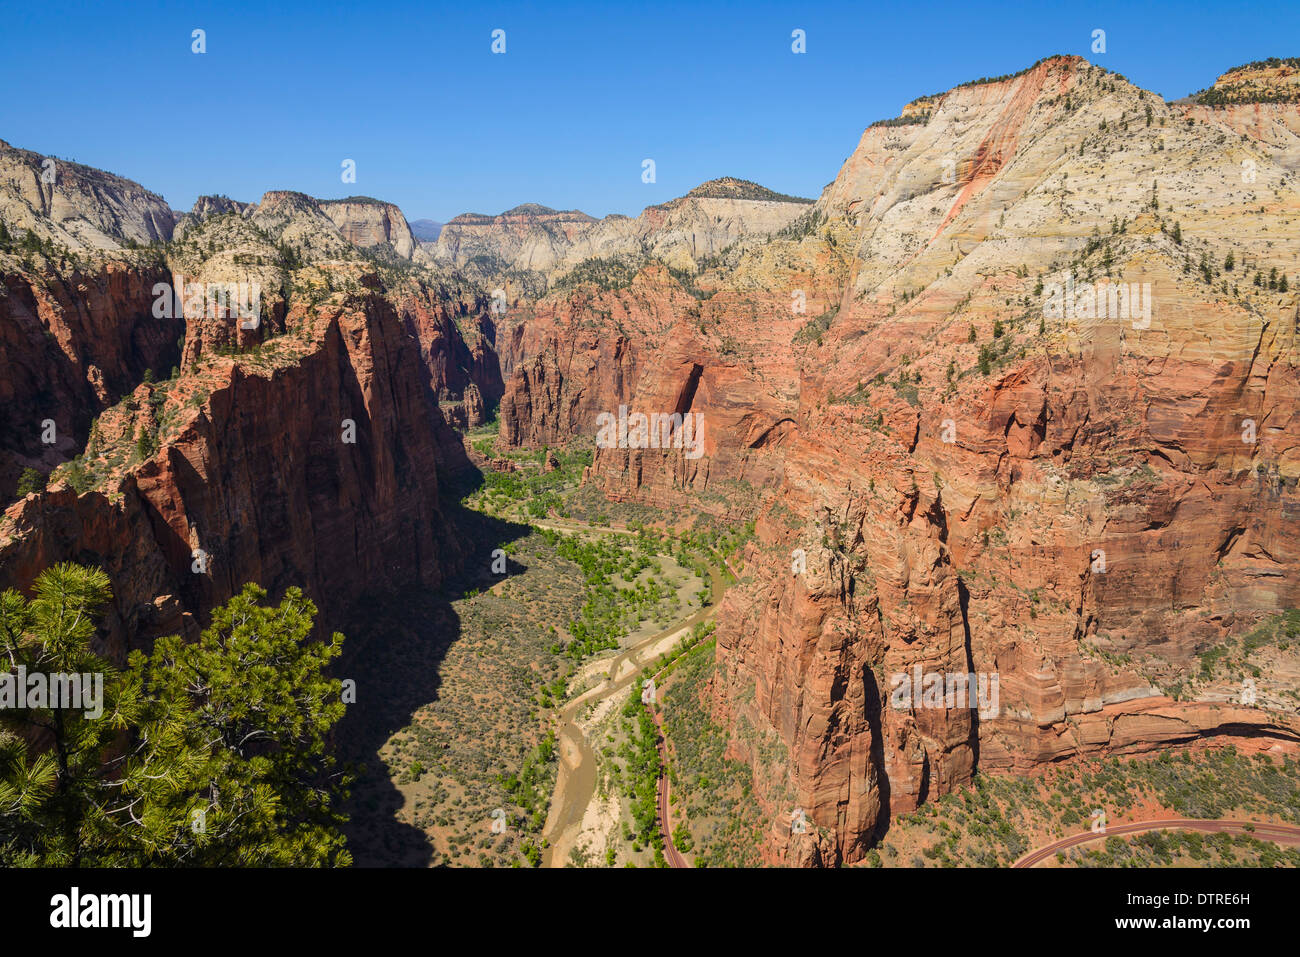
point(493, 748)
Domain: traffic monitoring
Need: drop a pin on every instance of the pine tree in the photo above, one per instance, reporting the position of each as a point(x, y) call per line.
point(31, 480)
point(47, 801)
point(206, 753)
point(265, 710)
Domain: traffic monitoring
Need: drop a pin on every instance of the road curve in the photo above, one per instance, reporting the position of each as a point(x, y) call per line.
point(1278, 833)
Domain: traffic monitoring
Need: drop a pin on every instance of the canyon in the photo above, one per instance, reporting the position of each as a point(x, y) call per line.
point(943, 472)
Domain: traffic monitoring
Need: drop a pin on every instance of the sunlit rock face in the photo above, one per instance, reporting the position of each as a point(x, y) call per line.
point(999, 408)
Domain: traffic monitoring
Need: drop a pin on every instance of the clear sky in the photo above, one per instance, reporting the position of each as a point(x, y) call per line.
point(584, 92)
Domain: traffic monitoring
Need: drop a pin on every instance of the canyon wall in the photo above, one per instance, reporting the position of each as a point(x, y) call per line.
point(70, 346)
point(316, 466)
point(76, 206)
point(301, 443)
point(960, 456)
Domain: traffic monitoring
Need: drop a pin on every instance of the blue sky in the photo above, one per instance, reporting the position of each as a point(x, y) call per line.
point(584, 92)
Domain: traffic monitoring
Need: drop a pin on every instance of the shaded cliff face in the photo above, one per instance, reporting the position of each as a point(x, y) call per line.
point(291, 246)
point(954, 470)
point(71, 345)
point(458, 343)
point(313, 462)
point(299, 443)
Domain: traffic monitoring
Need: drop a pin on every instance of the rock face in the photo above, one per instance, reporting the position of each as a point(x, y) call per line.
point(536, 239)
point(529, 237)
point(671, 354)
point(1276, 80)
point(227, 242)
point(458, 343)
point(70, 346)
point(77, 206)
point(951, 468)
point(368, 222)
point(317, 467)
point(300, 445)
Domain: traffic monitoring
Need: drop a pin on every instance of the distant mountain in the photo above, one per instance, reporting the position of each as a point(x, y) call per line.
point(425, 230)
point(548, 242)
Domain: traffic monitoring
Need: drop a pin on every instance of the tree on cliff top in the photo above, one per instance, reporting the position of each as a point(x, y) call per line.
point(198, 754)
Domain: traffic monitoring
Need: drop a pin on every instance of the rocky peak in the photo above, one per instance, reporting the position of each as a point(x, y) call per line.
point(1275, 80)
point(366, 222)
point(77, 206)
point(548, 243)
point(729, 187)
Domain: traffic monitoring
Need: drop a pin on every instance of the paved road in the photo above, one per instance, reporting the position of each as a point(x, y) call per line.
point(1278, 833)
point(671, 854)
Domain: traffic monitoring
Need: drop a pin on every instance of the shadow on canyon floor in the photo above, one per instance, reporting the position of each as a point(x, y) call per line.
point(414, 627)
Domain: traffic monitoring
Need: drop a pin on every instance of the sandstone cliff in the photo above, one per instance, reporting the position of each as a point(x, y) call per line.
point(76, 206)
point(72, 344)
point(368, 222)
point(949, 468)
point(312, 461)
point(532, 239)
point(298, 440)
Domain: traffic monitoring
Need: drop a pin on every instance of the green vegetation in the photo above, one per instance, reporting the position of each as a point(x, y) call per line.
point(641, 774)
point(1234, 659)
point(1002, 817)
point(1185, 849)
point(909, 120)
point(210, 752)
point(535, 490)
point(728, 187)
point(997, 79)
point(1248, 91)
point(610, 612)
point(530, 789)
point(31, 480)
point(714, 790)
point(814, 327)
point(608, 273)
point(805, 225)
